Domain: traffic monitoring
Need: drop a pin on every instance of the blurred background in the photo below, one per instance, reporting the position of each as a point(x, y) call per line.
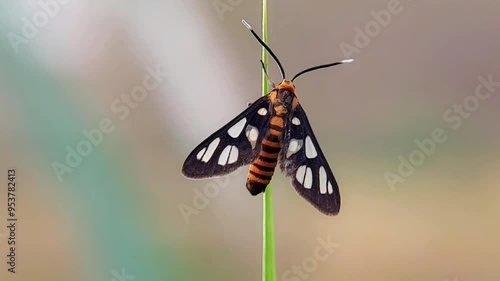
point(149, 80)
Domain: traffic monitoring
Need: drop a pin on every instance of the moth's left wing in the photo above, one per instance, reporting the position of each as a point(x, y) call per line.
point(302, 160)
point(236, 144)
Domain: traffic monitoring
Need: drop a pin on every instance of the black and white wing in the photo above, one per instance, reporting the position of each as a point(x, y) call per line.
point(302, 160)
point(236, 144)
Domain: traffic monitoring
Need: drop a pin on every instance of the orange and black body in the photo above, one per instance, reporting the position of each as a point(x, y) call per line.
point(282, 101)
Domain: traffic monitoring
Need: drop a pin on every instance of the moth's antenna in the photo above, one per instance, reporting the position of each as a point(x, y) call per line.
point(267, 48)
point(321, 66)
point(271, 82)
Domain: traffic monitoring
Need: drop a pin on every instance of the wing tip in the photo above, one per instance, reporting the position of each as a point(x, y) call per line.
point(189, 172)
point(329, 212)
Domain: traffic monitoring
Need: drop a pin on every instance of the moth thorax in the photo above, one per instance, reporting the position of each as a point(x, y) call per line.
point(285, 98)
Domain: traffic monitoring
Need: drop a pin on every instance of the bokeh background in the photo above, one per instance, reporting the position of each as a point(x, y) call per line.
point(117, 215)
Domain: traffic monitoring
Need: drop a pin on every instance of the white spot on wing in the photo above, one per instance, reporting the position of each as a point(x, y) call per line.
point(262, 111)
point(210, 150)
point(294, 146)
point(300, 174)
point(200, 154)
point(236, 129)
point(224, 155)
point(310, 149)
point(322, 180)
point(330, 188)
point(252, 134)
point(233, 156)
point(308, 179)
point(228, 156)
point(296, 121)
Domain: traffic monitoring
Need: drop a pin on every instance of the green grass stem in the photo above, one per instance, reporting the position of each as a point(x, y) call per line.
point(268, 253)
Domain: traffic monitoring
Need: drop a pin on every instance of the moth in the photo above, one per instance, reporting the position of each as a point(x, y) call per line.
point(273, 130)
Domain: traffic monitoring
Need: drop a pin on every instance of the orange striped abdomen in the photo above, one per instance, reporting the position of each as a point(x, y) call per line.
point(262, 170)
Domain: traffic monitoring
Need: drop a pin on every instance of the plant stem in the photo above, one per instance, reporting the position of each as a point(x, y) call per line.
point(268, 254)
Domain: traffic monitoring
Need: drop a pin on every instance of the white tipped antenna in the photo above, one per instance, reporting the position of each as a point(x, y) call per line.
point(320, 67)
point(265, 47)
point(245, 23)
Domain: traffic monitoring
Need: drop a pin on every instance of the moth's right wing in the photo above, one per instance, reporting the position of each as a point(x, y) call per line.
point(302, 160)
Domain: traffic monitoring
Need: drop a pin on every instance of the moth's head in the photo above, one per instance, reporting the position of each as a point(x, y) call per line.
point(283, 97)
point(286, 85)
